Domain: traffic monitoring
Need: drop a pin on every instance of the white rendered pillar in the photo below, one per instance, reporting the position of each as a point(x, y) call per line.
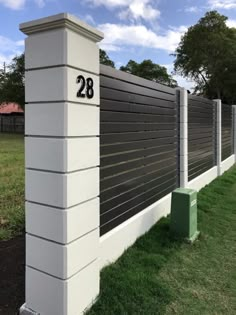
point(218, 136)
point(62, 165)
point(234, 131)
point(183, 134)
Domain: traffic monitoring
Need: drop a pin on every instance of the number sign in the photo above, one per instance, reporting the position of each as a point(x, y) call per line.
point(86, 87)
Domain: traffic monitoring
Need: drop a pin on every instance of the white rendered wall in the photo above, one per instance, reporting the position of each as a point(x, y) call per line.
point(227, 163)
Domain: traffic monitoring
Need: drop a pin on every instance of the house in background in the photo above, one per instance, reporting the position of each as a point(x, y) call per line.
point(11, 118)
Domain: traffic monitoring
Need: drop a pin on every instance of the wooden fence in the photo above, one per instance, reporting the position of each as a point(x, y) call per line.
point(12, 123)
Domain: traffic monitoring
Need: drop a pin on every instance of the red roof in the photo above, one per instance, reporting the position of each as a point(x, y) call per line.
point(8, 108)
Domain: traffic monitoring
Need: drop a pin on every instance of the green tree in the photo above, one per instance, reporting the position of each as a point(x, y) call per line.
point(105, 60)
point(207, 54)
point(151, 71)
point(12, 82)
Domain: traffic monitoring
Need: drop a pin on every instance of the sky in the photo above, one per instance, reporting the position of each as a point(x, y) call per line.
point(133, 29)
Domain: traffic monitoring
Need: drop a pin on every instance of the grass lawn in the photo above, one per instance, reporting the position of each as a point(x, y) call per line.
point(160, 275)
point(11, 185)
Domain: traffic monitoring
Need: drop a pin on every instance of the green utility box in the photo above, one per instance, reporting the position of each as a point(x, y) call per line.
point(184, 214)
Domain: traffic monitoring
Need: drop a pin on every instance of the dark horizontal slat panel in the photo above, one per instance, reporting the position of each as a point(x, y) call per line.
point(196, 157)
point(138, 142)
point(121, 75)
point(200, 99)
point(209, 147)
point(199, 120)
point(132, 127)
point(128, 214)
point(148, 191)
point(118, 179)
point(193, 109)
point(227, 147)
point(197, 136)
point(118, 85)
point(193, 114)
point(163, 151)
point(192, 144)
point(160, 107)
point(227, 150)
point(134, 145)
point(193, 129)
point(226, 143)
point(108, 116)
point(134, 193)
point(225, 155)
point(200, 171)
point(115, 95)
point(199, 162)
point(114, 170)
point(133, 136)
point(226, 132)
point(197, 167)
point(146, 173)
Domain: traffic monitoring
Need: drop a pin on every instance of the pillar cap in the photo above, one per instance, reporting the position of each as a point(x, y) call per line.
point(62, 20)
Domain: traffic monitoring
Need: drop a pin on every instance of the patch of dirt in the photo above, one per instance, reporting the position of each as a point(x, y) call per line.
point(12, 275)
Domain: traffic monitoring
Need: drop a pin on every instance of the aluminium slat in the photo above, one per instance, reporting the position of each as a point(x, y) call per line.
point(160, 107)
point(200, 99)
point(121, 86)
point(116, 169)
point(131, 212)
point(200, 171)
point(124, 76)
point(133, 193)
point(133, 136)
point(115, 127)
point(109, 116)
point(125, 96)
point(145, 193)
point(134, 145)
point(161, 152)
point(158, 169)
point(117, 179)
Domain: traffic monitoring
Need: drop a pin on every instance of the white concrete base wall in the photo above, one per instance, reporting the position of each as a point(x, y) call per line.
point(226, 164)
point(204, 179)
point(115, 242)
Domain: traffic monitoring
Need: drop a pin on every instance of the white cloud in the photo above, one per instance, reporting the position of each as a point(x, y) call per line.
point(40, 3)
point(8, 45)
point(20, 4)
point(13, 4)
point(118, 35)
point(139, 9)
point(222, 4)
point(89, 19)
point(9, 49)
point(130, 9)
point(192, 9)
point(231, 23)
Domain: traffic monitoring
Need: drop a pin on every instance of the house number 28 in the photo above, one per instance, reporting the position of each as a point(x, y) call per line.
point(86, 87)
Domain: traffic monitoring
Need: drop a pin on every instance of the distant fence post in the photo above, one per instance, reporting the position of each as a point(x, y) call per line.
point(62, 165)
point(183, 134)
point(218, 135)
point(234, 131)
